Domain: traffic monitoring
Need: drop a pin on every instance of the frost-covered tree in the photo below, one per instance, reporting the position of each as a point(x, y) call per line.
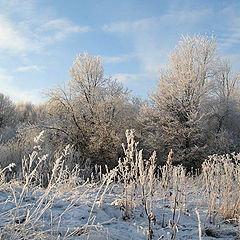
point(91, 112)
point(195, 104)
point(182, 93)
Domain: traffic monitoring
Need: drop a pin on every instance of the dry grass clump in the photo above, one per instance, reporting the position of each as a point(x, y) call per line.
point(25, 220)
point(3, 172)
point(172, 186)
point(147, 181)
point(221, 176)
point(24, 217)
point(140, 184)
point(138, 180)
point(128, 175)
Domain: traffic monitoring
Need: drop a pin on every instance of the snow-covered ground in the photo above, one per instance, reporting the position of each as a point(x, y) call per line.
point(78, 214)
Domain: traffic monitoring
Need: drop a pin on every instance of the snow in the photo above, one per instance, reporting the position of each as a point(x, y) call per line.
point(77, 214)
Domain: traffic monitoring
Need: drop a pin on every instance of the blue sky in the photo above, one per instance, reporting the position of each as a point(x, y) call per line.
point(40, 39)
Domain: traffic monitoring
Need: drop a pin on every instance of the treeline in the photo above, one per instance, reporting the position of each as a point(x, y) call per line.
point(194, 111)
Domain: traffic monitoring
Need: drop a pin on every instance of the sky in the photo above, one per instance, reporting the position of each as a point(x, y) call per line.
point(40, 39)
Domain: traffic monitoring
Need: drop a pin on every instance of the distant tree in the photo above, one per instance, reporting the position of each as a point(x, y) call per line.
point(7, 111)
point(224, 125)
point(25, 112)
point(226, 91)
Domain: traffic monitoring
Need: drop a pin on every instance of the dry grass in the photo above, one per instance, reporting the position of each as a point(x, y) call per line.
point(141, 188)
point(221, 178)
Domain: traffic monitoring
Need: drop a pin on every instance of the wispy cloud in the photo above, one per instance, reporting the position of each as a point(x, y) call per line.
point(232, 35)
point(10, 38)
point(27, 28)
point(145, 24)
point(128, 26)
point(151, 36)
point(27, 35)
point(62, 28)
point(28, 68)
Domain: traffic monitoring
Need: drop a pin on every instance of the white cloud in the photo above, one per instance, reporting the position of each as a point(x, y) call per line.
point(10, 38)
point(62, 28)
point(27, 35)
point(28, 68)
point(7, 87)
point(28, 27)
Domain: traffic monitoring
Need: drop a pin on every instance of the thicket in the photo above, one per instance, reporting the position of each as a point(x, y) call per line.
point(194, 111)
